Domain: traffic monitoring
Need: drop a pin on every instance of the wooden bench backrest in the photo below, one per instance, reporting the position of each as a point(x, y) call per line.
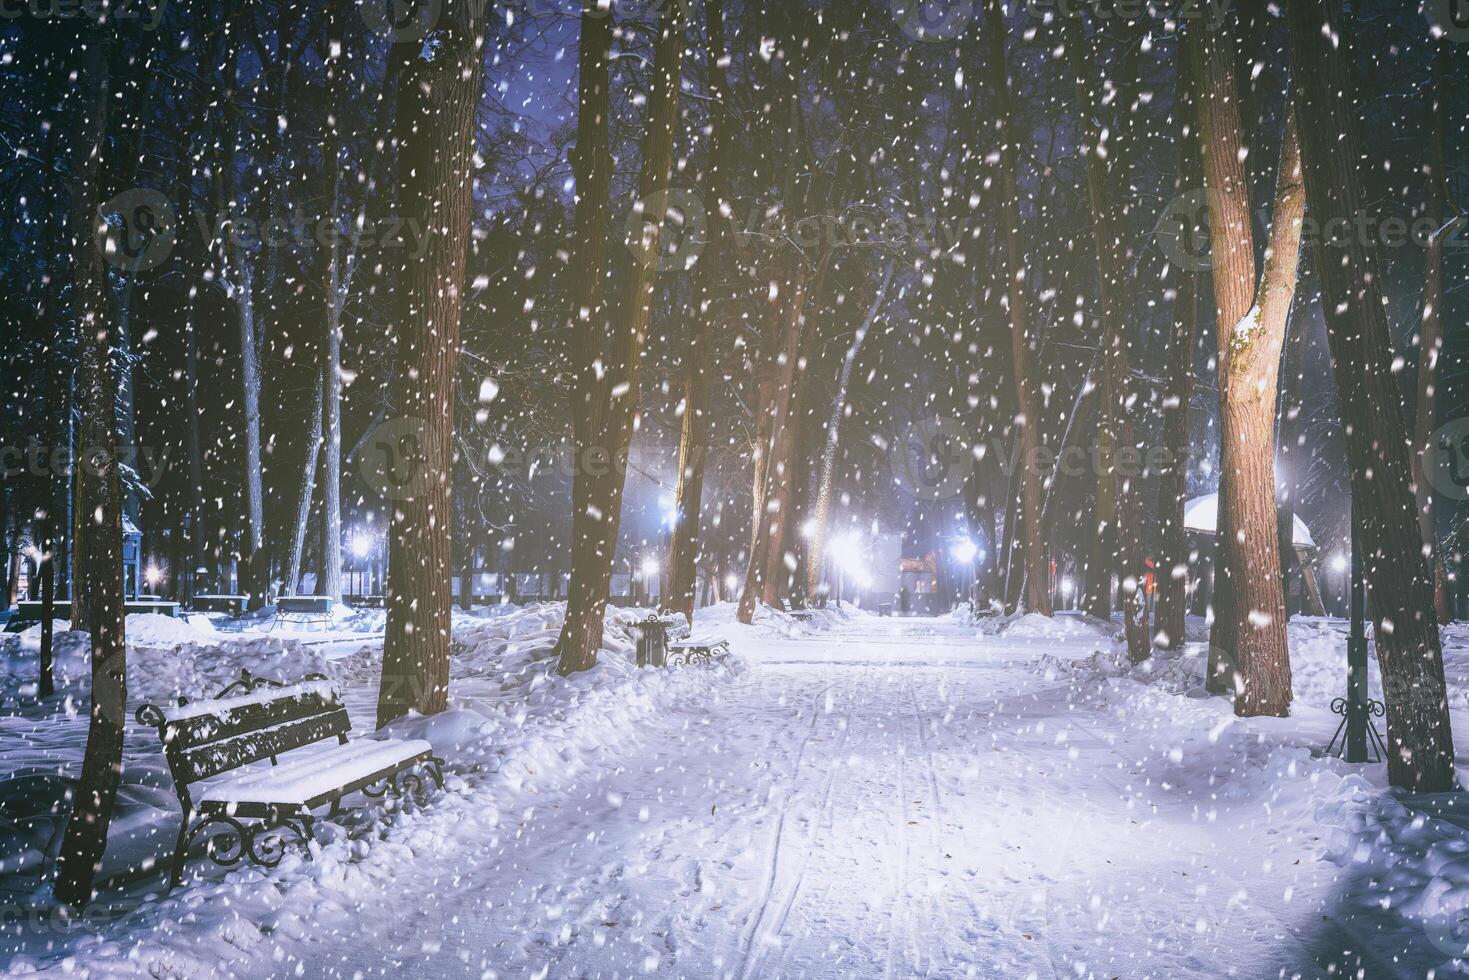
point(208, 737)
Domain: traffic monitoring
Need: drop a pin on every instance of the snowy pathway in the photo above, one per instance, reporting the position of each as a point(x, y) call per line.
point(897, 799)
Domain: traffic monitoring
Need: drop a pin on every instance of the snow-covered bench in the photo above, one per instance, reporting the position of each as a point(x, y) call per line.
point(303, 609)
point(801, 615)
point(216, 747)
point(668, 641)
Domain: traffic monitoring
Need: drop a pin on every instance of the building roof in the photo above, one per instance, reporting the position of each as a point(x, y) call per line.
point(1202, 516)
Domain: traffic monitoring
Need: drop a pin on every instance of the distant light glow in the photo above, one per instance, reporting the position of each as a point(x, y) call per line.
point(1339, 563)
point(1067, 585)
point(846, 552)
point(731, 581)
point(965, 551)
point(361, 545)
point(650, 567)
point(152, 575)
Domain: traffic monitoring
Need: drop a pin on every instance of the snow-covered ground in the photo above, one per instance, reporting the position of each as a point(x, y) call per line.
point(851, 797)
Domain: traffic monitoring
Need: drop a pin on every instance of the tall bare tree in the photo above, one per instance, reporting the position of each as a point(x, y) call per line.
point(98, 565)
point(1027, 414)
point(1114, 424)
point(1420, 740)
point(611, 405)
point(693, 446)
point(438, 98)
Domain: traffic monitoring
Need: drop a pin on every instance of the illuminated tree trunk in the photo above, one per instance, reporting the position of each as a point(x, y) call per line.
point(438, 100)
point(331, 395)
point(1420, 742)
point(1252, 553)
point(772, 440)
point(614, 401)
point(1232, 263)
point(99, 544)
point(306, 490)
point(826, 487)
point(1027, 416)
point(693, 446)
point(1114, 423)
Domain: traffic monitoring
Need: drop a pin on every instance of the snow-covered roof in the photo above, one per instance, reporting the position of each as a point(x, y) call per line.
point(1202, 514)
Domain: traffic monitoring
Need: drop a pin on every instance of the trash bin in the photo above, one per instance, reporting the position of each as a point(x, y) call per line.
point(652, 642)
point(884, 608)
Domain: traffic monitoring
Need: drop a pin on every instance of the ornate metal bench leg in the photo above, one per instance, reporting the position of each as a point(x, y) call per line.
point(435, 767)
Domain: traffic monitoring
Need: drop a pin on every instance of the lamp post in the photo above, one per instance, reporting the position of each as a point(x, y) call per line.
point(1357, 706)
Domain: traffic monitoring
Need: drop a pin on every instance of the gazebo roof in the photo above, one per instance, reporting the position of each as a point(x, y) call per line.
point(1201, 515)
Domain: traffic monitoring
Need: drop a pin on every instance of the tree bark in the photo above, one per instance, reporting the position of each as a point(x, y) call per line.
point(1420, 744)
point(612, 401)
point(693, 446)
point(1113, 421)
point(438, 101)
point(1251, 555)
point(1430, 335)
point(1232, 264)
point(1037, 596)
point(99, 545)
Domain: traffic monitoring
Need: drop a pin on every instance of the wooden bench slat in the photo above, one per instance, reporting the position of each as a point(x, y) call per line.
point(216, 757)
point(229, 721)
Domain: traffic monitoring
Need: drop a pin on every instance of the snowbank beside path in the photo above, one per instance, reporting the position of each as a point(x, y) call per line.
point(1403, 854)
point(514, 732)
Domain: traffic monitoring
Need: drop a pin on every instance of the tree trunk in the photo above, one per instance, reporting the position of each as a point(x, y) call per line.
point(773, 477)
point(1232, 263)
point(1113, 420)
point(826, 488)
point(99, 546)
point(592, 166)
point(438, 100)
point(1287, 437)
point(1251, 555)
point(331, 402)
point(693, 446)
point(1037, 596)
point(1420, 744)
point(307, 489)
point(1430, 336)
point(613, 401)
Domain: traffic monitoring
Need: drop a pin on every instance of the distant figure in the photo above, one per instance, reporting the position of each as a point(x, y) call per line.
point(903, 601)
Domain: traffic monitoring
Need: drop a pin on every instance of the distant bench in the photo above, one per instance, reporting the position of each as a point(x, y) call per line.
point(668, 641)
point(233, 605)
point(303, 609)
point(253, 719)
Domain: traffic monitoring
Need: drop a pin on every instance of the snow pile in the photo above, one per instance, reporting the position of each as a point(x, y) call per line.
point(1037, 627)
point(1406, 854)
point(515, 730)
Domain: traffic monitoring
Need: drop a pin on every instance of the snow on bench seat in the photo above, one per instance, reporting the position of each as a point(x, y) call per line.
point(312, 773)
point(711, 640)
